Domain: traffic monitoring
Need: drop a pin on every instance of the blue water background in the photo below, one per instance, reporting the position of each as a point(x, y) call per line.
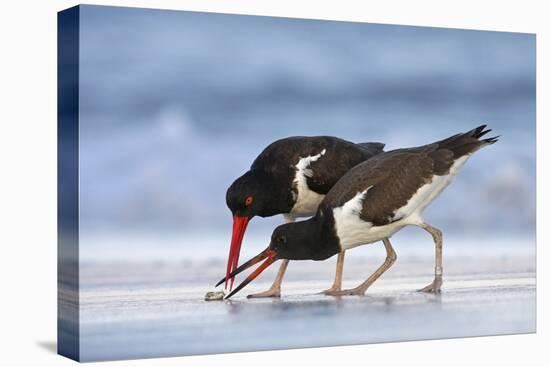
point(175, 105)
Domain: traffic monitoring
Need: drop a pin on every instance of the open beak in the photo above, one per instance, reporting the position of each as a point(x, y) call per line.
point(239, 227)
point(270, 257)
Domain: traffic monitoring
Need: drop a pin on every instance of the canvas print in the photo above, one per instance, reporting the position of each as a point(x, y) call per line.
point(231, 183)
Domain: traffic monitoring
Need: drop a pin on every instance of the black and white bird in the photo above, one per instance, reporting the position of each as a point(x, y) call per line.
point(291, 177)
point(370, 203)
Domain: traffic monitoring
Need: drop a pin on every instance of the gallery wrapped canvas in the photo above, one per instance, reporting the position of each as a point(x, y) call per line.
point(231, 183)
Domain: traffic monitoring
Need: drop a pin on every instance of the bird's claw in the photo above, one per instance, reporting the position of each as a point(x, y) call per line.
point(270, 293)
point(433, 287)
point(345, 292)
point(330, 291)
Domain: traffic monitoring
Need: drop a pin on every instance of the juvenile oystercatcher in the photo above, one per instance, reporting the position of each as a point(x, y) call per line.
point(371, 202)
point(290, 177)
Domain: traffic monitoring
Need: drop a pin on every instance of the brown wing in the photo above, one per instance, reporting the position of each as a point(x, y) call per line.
point(393, 179)
point(406, 173)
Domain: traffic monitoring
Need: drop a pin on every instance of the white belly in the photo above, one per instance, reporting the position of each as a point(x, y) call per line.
point(352, 231)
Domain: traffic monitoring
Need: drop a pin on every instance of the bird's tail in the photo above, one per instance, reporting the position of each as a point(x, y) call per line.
point(469, 142)
point(479, 132)
point(373, 148)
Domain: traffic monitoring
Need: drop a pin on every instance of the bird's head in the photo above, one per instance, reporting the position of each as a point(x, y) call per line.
point(312, 239)
point(249, 195)
point(256, 193)
point(296, 241)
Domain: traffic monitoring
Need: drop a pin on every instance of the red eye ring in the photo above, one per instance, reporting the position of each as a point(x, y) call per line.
point(249, 200)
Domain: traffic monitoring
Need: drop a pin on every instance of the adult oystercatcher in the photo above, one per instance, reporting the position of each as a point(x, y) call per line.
point(370, 203)
point(290, 177)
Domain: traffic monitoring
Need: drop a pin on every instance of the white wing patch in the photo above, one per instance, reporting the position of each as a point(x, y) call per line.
point(308, 172)
point(307, 200)
point(355, 205)
point(350, 228)
point(354, 231)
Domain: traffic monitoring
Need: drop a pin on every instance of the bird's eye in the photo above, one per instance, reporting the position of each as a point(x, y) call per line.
point(249, 200)
point(281, 239)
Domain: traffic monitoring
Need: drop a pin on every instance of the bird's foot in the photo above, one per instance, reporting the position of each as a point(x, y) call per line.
point(347, 292)
point(271, 292)
point(331, 291)
point(433, 287)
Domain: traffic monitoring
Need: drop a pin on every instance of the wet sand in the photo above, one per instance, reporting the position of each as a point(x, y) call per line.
point(131, 310)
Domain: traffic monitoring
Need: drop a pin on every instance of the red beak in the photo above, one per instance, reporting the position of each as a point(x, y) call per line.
point(270, 257)
point(239, 227)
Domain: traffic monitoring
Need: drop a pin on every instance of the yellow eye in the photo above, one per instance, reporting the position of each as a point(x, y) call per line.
point(249, 200)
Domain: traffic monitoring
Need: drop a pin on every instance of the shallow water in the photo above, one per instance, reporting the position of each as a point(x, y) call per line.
point(152, 317)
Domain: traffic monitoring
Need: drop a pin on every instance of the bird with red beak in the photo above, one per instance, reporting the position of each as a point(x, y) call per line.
point(291, 177)
point(370, 203)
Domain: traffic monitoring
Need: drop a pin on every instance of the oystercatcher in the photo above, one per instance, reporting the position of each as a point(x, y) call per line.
point(290, 177)
point(371, 202)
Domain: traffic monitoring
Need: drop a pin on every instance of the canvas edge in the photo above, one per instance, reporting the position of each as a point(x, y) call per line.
point(68, 45)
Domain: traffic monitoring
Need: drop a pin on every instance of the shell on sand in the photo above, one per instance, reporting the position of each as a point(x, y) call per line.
point(214, 296)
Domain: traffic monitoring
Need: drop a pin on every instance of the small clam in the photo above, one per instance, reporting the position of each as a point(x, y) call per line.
point(214, 296)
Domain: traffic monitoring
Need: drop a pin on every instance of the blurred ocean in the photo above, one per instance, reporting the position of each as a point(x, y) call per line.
point(176, 105)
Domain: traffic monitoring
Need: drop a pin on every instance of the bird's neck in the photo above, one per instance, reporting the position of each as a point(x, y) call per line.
point(328, 241)
point(314, 240)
